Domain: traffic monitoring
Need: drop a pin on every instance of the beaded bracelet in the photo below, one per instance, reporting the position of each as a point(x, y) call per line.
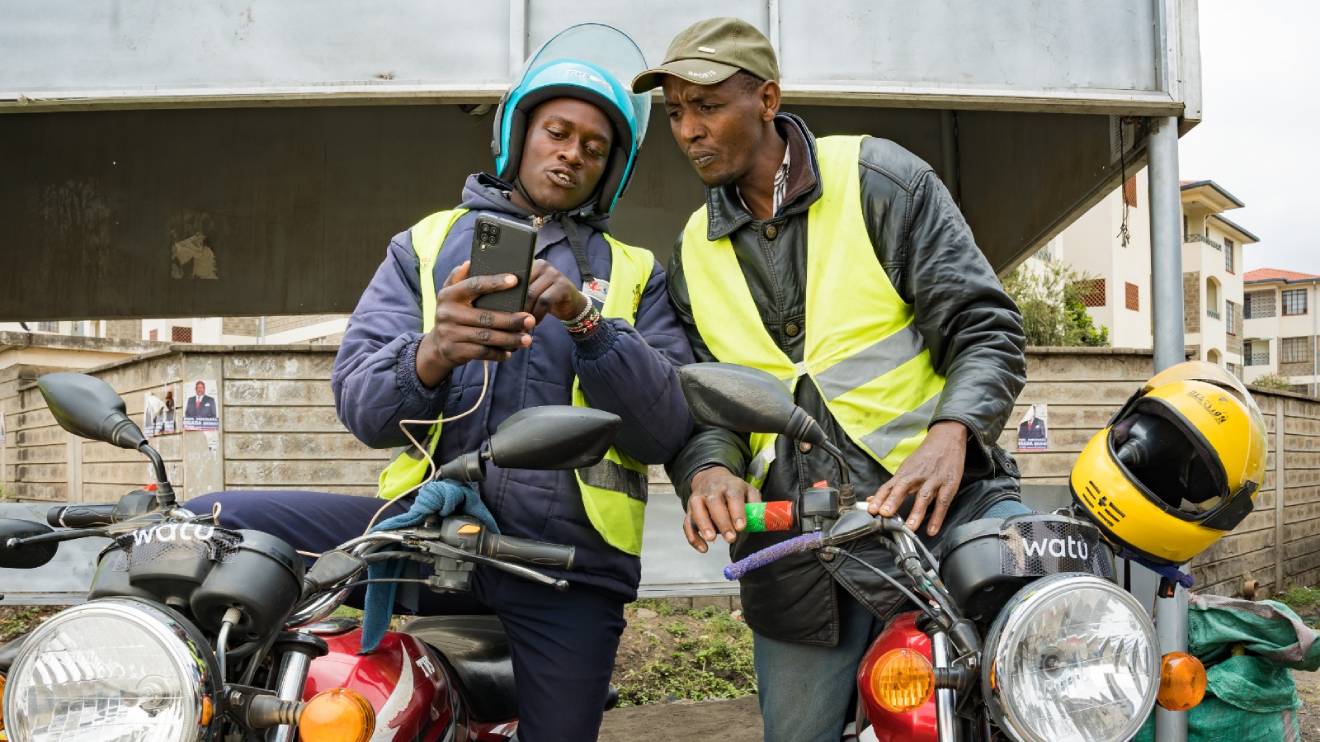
point(586, 324)
point(580, 315)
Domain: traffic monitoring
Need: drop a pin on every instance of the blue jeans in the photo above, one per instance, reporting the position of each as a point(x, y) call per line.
point(807, 692)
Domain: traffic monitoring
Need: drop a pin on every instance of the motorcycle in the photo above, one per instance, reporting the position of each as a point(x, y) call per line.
point(196, 632)
point(1019, 632)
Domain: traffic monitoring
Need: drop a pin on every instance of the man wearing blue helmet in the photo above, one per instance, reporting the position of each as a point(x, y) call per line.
point(596, 319)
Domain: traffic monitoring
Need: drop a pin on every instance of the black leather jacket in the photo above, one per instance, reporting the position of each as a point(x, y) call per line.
point(971, 327)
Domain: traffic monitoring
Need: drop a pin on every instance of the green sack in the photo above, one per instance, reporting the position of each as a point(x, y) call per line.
point(1249, 649)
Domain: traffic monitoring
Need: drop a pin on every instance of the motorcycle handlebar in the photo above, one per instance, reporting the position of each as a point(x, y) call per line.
point(795, 545)
point(527, 551)
point(81, 516)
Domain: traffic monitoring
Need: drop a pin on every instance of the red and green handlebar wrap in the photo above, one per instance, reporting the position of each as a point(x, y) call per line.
point(763, 517)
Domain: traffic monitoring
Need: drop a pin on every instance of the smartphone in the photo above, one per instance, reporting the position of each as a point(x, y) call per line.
point(502, 245)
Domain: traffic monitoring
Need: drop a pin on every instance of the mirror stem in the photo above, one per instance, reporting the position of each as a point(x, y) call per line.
point(846, 495)
point(164, 491)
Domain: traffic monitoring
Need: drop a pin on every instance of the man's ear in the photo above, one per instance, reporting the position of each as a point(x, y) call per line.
point(770, 99)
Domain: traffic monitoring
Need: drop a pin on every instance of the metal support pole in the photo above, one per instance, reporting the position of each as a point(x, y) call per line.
point(1315, 342)
point(1166, 273)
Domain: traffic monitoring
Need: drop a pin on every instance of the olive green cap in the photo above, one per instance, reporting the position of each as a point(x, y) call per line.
point(709, 52)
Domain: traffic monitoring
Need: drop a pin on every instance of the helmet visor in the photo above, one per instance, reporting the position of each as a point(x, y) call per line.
point(1254, 444)
point(607, 48)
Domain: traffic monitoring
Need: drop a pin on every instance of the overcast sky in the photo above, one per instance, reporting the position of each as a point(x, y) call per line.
point(1260, 133)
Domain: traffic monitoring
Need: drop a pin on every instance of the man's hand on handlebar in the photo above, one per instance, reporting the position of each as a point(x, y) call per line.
point(717, 504)
point(931, 474)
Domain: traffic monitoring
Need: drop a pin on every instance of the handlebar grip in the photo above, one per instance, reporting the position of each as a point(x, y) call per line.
point(81, 516)
point(527, 551)
point(765, 517)
point(795, 545)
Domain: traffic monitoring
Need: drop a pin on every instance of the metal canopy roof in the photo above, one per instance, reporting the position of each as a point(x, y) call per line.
point(240, 158)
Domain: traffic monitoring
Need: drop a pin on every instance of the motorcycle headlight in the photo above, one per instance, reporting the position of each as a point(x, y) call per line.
point(112, 670)
point(1071, 657)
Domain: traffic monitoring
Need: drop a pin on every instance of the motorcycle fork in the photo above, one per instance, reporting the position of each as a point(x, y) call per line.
point(291, 677)
point(946, 699)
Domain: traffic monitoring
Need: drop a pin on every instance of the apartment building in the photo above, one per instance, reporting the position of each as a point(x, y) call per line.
point(1281, 327)
point(1110, 244)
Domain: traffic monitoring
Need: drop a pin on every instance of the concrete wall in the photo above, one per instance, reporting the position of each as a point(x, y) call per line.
point(279, 431)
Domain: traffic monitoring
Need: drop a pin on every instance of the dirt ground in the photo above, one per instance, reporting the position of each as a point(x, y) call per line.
point(738, 720)
point(1308, 688)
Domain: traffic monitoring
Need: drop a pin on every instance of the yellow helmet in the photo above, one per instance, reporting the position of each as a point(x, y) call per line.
point(1178, 466)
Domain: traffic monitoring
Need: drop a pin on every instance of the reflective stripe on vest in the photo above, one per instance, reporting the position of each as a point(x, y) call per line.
point(614, 491)
point(861, 349)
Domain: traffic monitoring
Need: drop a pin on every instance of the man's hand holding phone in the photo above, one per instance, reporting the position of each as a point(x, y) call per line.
point(465, 333)
point(550, 292)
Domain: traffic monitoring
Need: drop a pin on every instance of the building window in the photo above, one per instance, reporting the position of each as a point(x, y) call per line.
point(1230, 317)
point(1258, 353)
point(1295, 350)
point(1260, 304)
point(1091, 291)
point(1185, 235)
point(181, 334)
point(153, 335)
point(1228, 255)
point(1212, 297)
point(1131, 296)
point(1235, 369)
point(1294, 302)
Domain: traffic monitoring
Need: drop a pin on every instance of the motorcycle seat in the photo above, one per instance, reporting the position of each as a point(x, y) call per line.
point(477, 650)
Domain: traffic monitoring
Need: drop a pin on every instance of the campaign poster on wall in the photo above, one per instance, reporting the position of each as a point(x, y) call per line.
point(201, 409)
point(1033, 430)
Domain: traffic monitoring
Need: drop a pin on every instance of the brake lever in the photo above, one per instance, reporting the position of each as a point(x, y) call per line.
point(56, 537)
point(440, 548)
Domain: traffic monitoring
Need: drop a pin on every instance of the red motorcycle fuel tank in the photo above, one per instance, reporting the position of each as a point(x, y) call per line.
point(407, 686)
point(920, 724)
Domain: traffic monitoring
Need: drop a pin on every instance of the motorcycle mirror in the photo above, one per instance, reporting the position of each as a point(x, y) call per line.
point(553, 437)
point(29, 556)
point(746, 400)
point(89, 408)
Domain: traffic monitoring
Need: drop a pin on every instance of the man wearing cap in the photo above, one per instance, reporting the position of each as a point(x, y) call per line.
point(842, 266)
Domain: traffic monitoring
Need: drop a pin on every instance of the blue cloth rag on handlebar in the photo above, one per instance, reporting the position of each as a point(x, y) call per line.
point(443, 497)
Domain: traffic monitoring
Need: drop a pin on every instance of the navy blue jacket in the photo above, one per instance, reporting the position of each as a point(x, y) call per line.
point(627, 371)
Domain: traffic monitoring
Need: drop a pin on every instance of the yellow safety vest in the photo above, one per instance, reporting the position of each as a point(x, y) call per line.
point(613, 491)
point(861, 349)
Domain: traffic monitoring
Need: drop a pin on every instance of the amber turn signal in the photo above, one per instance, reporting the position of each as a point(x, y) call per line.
point(902, 680)
point(1182, 681)
point(337, 715)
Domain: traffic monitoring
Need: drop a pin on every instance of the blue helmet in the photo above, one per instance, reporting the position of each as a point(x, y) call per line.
point(587, 62)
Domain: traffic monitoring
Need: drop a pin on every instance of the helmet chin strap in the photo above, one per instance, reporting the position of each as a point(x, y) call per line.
point(538, 208)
